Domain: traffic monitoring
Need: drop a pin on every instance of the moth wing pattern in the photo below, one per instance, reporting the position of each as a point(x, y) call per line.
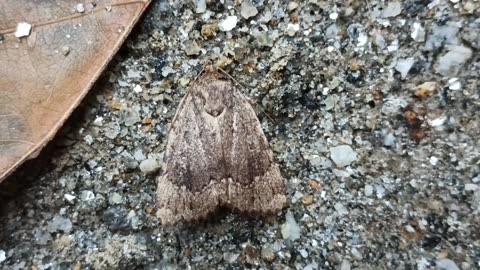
point(217, 156)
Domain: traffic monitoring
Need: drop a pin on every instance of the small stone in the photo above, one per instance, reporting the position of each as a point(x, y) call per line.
point(147, 121)
point(380, 191)
point(322, 162)
point(410, 229)
point(87, 195)
point(292, 6)
point(59, 223)
point(471, 187)
point(357, 33)
point(476, 179)
point(333, 16)
point(342, 155)
point(450, 63)
point(149, 165)
point(368, 191)
point(131, 164)
point(80, 8)
point(65, 50)
point(392, 104)
point(330, 102)
point(292, 29)
point(446, 264)
point(469, 7)
point(307, 199)
point(209, 30)
point(342, 210)
point(303, 253)
point(200, 6)
point(42, 236)
point(134, 73)
point(135, 221)
point(112, 132)
point(264, 39)
point(290, 229)
point(425, 89)
point(115, 198)
point(441, 36)
point(88, 139)
point(267, 16)
point(393, 9)
point(437, 122)
point(404, 65)
point(454, 84)
point(92, 163)
point(69, 197)
point(476, 200)
point(331, 33)
point(314, 184)
point(388, 139)
point(228, 23)
point(139, 155)
point(116, 218)
point(137, 88)
point(433, 160)
point(248, 10)
point(311, 266)
point(23, 29)
point(345, 265)
point(418, 33)
point(2, 256)
point(64, 241)
point(268, 254)
point(230, 257)
point(357, 254)
point(167, 70)
point(192, 49)
point(98, 121)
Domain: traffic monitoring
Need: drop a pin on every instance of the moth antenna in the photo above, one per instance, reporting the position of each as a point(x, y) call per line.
point(243, 88)
point(199, 74)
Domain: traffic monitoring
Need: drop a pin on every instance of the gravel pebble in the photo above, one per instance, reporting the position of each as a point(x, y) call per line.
point(23, 29)
point(450, 63)
point(248, 10)
point(393, 9)
point(341, 210)
point(268, 254)
point(343, 155)
point(404, 65)
point(368, 190)
point(150, 165)
point(446, 264)
point(2, 256)
point(290, 229)
point(59, 223)
point(228, 23)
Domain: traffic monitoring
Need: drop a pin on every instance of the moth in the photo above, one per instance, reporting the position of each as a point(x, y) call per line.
point(217, 156)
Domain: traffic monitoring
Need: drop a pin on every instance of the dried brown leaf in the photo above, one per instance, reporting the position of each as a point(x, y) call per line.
point(45, 74)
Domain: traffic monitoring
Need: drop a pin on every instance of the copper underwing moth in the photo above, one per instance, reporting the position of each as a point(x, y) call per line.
point(217, 156)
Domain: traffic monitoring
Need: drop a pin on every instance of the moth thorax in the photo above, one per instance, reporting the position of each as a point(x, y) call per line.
point(216, 99)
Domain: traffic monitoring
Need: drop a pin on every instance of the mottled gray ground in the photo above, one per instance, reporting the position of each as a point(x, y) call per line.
point(374, 122)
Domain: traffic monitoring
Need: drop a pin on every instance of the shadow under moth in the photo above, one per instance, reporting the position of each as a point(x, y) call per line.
point(217, 156)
